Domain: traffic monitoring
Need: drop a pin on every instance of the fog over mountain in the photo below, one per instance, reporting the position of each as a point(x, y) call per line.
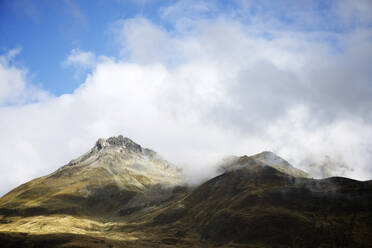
point(208, 84)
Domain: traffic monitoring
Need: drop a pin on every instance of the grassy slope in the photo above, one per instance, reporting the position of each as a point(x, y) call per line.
point(263, 207)
point(250, 206)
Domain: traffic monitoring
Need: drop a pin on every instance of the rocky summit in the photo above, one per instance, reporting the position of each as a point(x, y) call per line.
point(120, 194)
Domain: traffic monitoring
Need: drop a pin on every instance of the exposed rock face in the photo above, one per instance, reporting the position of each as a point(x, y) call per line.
point(122, 142)
point(119, 144)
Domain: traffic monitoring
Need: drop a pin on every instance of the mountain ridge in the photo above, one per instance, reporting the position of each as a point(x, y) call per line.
point(121, 194)
point(266, 158)
point(116, 166)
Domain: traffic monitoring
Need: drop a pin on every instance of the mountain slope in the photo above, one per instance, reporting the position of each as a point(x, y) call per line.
point(263, 159)
point(114, 175)
point(263, 207)
point(122, 195)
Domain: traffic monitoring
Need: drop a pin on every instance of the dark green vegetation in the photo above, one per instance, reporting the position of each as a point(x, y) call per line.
point(258, 201)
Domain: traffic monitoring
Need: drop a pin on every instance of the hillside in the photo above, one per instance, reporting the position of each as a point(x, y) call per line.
point(116, 174)
point(122, 195)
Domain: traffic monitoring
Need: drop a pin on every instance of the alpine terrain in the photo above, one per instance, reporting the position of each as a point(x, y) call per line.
point(120, 194)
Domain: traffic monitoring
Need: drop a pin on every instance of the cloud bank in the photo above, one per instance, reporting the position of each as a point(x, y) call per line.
point(209, 86)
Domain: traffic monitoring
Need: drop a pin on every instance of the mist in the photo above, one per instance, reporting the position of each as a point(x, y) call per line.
point(202, 90)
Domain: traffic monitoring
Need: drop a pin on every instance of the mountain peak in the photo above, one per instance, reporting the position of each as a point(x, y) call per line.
point(265, 158)
point(114, 146)
point(118, 141)
point(272, 158)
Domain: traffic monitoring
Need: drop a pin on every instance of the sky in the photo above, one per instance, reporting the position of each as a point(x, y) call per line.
point(193, 80)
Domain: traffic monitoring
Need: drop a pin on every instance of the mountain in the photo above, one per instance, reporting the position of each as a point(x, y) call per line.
point(122, 195)
point(266, 158)
point(115, 175)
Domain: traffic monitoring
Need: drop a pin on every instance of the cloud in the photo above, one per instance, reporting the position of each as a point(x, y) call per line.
point(81, 61)
point(14, 88)
point(222, 86)
point(187, 9)
point(337, 148)
point(135, 33)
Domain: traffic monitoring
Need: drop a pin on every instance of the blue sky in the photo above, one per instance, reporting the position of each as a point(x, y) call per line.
point(47, 31)
point(193, 80)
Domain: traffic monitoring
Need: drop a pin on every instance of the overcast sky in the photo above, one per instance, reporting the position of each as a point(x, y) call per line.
point(193, 80)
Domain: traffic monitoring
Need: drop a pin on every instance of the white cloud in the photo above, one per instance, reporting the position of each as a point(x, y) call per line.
point(81, 61)
point(339, 148)
point(217, 89)
point(13, 82)
point(187, 9)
